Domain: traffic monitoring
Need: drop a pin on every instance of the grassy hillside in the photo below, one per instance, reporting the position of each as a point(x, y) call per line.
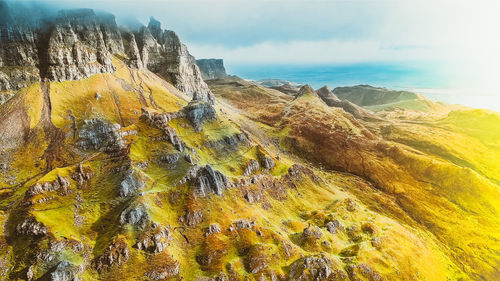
point(120, 177)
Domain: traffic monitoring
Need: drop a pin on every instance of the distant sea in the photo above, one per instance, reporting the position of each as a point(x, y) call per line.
point(432, 82)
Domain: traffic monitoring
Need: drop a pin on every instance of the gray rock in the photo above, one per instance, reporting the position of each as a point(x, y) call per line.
point(60, 183)
point(135, 216)
point(160, 121)
point(130, 184)
point(211, 68)
point(210, 181)
point(315, 268)
point(170, 159)
point(164, 272)
point(65, 271)
point(75, 44)
point(313, 232)
point(252, 167)
point(30, 226)
point(242, 224)
point(334, 226)
point(212, 229)
point(163, 53)
point(154, 241)
point(96, 134)
point(198, 112)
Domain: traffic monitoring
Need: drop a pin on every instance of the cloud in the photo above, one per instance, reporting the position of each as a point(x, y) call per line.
point(331, 51)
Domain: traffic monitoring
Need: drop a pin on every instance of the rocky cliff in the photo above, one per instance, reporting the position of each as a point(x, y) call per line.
point(76, 44)
point(211, 68)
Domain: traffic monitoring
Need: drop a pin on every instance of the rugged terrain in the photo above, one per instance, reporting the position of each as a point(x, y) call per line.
point(118, 162)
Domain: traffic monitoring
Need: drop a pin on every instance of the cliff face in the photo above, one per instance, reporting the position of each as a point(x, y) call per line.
point(211, 68)
point(163, 53)
point(76, 44)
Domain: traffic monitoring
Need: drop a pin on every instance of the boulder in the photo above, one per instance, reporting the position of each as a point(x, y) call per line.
point(334, 226)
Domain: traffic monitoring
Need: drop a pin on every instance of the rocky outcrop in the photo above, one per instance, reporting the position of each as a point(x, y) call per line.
point(30, 226)
point(252, 167)
point(65, 271)
point(154, 240)
point(211, 68)
point(135, 216)
point(316, 268)
point(165, 271)
point(75, 44)
point(227, 141)
point(60, 183)
point(327, 96)
point(163, 53)
point(334, 226)
point(130, 184)
point(160, 121)
point(97, 134)
point(212, 229)
point(199, 112)
point(76, 48)
point(116, 253)
point(210, 181)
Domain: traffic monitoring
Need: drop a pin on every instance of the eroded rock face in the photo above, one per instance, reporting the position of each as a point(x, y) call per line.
point(199, 112)
point(78, 43)
point(164, 272)
point(160, 121)
point(251, 167)
point(130, 184)
point(60, 183)
point(211, 68)
point(65, 271)
point(316, 268)
point(163, 53)
point(76, 47)
point(154, 240)
point(135, 216)
point(30, 226)
point(97, 134)
point(116, 253)
point(210, 181)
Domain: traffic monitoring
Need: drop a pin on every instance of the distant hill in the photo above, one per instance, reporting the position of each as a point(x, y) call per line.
point(366, 95)
point(211, 68)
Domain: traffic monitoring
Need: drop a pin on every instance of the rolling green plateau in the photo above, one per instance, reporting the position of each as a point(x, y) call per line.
point(119, 162)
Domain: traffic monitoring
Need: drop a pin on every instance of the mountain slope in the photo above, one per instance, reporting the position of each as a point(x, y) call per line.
point(139, 173)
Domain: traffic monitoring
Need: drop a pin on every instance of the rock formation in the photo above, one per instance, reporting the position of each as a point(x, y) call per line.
point(78, 43)
point(211, 68)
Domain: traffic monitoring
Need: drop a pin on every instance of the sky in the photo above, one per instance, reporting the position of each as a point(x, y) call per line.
point(458, 37)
